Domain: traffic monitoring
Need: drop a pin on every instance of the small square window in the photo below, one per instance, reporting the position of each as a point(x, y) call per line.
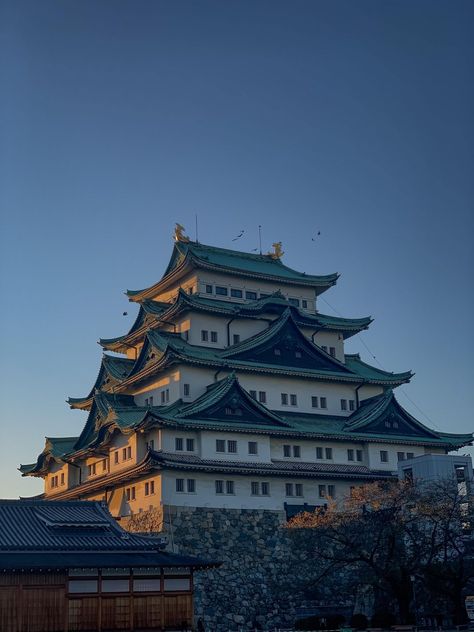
point(350, 455)
point(220, 445)
point(253, 394)
point(277, 352)
point(191, 485)
point(204, 335)
point(236, 339)
point(213, 336)
point(254, 488)
point(410, 455)
point(324, 348)
point(298, 354)
point(208, 289)
point(251, 296)
point(229, 487)
point(343, 404)
point(304, 304)
point(284, 399)
point(289, 489)
point(400, 456)
point(352, 405)
point(384, 456)
point(293, 400)
point(315, 401)
point(323, 402)
point(232, 447)
point(332, 351)
point(190, 445)
point(265, 489)
point(319, 453)
point(253, 447)
point(262, 397)
point(221, 291)
point(322, 491)
point(236, 293)
point(186, 390)
point(331, 491)
point(359, 455)
point(287, 450)
point(178, 444)
point(328, 453)
point(180, 484)
point(297, 451)
point(219, 487)
point(298, 489)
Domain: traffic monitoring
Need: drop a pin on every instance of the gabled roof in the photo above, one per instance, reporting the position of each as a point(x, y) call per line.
point(55, 449)
point(113, 370)
point(190, 255)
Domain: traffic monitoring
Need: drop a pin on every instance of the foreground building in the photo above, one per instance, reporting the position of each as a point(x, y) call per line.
point(232, 390)
point(69, 566)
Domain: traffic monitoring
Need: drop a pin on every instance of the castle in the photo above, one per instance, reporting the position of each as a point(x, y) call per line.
point(232, 390)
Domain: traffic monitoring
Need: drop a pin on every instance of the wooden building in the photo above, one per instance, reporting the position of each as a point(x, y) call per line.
point(69, 566)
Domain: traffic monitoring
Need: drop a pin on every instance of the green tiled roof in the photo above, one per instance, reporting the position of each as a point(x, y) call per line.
point(114, 367)
point(55, 448)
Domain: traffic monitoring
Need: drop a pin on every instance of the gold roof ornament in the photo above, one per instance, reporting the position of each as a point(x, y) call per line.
point(277, 251)
point(179, 233)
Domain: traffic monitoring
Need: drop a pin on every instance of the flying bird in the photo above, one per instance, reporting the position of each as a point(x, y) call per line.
point(313, 238)
point(125, 314)
point(239, 236)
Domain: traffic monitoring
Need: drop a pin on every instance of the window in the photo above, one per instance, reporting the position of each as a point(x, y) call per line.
point(190, 445)
point(220, 445)
point(185, 334)
point(332, 351)
point(124, 454)
point(287, 450)
point(265, 487)
point(331, 491)
point(178, 444)
point(150, 400)
point(262, 397)
point(163, 397)
point(294, 301)
point(253, 447)
point(146, 401)
point(204, 335)
point(410, 455)
point(384, 456)
point(298, 354)
point(236, 339)
point(284, 399)
point(324, 348)
point(350, 455)
point(180, 484)
point(293, 400)
point(315, 402)
point(208, 289)
point(323, 402)
point(352, 404)
point(322, 491)
point(236, 293)
point(186, 390)
point(191, 485)
point(298, 489)
point(150, 444)
point(343, 404)
point(319, 453)
point(150, 488)
point(62, 478)
point(254, 488)
point(229, 487)
point(251, 296)
point(277, 352)
point(190, 290)
point(297, 451)
point(91, 469)
point(130, 493)
point(400, 456)
point(304, 304)
point(116, 457)
point(289, 489)
point(253, 394)
point(359, 455)
point(232, 447)
point(221, 291)
point(328, 453)
point(213, 336)
point(219, 487)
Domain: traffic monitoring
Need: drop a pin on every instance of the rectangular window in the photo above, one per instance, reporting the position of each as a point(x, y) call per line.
point(219, 487)
point(287, 450)
point(251, 296)
point(322, 491)
point(147, 489)
point(293, 400)
point(116, 457)
point(352, 404)
point(359, 455)
point(232, 447)
point(298, 489)
point(297, 451)
point(151, 400)
point(180, 484)
point(127, 493)
point(167, 394)
point(124, 454)
point(331, 491)
point(191, 485)
point(328, 453)
point(253, 394)
point(262, 397)
point(343, 404)
point(129, 452)
point(190, 445)
point(204, 335)
point(253, 447)
point(319, 453)
point(236, 339)
point(152, 487)
point(294, 301)
point(236, 293)
point(163, 397)
point(254, 488)
point(332, 351)
point(277, 352)
point(229, 487)
point(315, 402)
point(185, 334)
point(384, 456)
point(304, 304)
point(146, 401)
point(350, 455)
point(324, 348)
point(220, 445)
point(186, 390)
point(400, 456)
point(62, 478)
point(298, 354)
point(133, 493)
point(208, 289)
point(265, 489)
point(178, 444)
point(289, 489)
point(221, 291)
point(410, 455)
point(91, 469)
point(213, 336)
point(323, 402)
point(150, 444)
point(284, 399)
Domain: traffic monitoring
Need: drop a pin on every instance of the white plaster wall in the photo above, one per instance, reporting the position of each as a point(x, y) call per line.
point(373, 450)
point(168, 436)
point(208, 447)
point(187, 282)
point(308, 451)
point(118, 442)
point(167, 380)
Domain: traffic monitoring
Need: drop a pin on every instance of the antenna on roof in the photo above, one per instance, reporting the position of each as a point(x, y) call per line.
point(260, 238)
point(197, 235)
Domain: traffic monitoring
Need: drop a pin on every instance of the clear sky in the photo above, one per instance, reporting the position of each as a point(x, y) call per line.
point(120, 117)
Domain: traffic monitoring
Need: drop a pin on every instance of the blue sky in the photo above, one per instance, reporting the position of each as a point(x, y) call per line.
point(121, 117)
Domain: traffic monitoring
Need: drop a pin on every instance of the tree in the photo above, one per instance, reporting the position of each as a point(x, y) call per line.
point(397, 532)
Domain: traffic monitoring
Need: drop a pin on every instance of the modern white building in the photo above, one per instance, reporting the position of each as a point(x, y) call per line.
point(233, 390)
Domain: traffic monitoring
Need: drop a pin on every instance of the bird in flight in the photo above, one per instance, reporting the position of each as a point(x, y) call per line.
point(314, 238)
point(239, 236)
